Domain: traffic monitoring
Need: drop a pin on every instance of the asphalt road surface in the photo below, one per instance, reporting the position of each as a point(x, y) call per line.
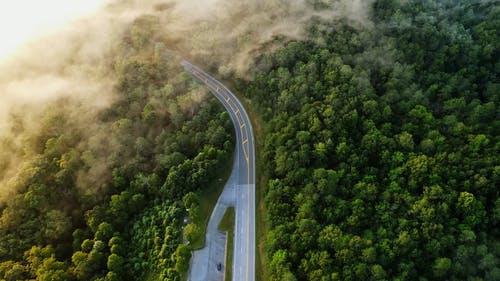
point(239, 192)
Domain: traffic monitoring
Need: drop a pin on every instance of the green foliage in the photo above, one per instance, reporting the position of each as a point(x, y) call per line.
point(382, 147)
point(381, 150)
point(110, 206)
point(182, 256)
point(115, 263)
point(227, 224)
point(191, 232)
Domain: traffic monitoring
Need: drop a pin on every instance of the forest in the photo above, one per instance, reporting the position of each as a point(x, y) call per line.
point(382, 146)
point(163, 141)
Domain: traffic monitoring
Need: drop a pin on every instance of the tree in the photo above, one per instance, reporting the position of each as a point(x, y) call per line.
point(87, 245)
point(190, 199)
point(112, 276)
point(441, 267)
point(115, 263)
point(116, 245)
point(280, 268)
point(56, 225)
point(182, 256)
point(12, 271)
point(52, 270)
point(104, 232)
point(191, 232)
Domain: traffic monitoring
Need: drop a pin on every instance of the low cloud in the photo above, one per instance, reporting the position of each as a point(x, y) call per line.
point(75, 66)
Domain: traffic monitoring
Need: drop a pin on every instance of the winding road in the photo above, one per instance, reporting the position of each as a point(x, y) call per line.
point(239, 192)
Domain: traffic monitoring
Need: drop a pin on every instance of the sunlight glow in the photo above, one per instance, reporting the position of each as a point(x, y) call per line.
point(25, 20)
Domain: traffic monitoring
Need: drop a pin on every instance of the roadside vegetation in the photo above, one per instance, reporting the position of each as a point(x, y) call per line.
point(201, 205)
point(227, 225)
point(382, 146)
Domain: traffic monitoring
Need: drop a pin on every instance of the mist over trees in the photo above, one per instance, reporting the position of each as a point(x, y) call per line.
point(381, 150)
point(158, 140)
point(382, 147)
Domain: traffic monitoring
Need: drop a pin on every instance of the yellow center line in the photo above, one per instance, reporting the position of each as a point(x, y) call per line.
point(231, 103)
point(247, 158)
point(240, 120)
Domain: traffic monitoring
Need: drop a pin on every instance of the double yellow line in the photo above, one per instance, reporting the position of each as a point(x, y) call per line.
point(243, 127)
point(245, 145)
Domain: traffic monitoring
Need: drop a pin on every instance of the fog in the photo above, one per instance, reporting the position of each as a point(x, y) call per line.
point(74, 67)
point(232, 32)
point(22, 20)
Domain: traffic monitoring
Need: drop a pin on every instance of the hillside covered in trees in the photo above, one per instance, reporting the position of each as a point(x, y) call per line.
point(383, 148)
point(159, 140)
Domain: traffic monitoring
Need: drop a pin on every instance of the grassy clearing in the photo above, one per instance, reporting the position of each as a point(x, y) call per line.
point(208, 198)
point(227, 225)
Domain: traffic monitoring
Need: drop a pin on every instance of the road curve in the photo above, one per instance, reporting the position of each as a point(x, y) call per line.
point(239, 192)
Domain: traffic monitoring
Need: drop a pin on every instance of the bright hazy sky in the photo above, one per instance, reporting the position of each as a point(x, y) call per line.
point(22, 20)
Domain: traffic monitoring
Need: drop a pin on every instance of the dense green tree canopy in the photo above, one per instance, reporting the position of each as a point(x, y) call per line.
point(382, 147)
point(380, 153)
